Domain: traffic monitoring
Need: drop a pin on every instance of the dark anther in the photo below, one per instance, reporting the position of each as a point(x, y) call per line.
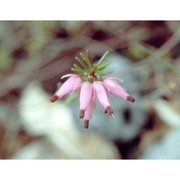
point(131, 99)
point(86, 124)
point(54, 98)
point(109, 110)
point(81, 113)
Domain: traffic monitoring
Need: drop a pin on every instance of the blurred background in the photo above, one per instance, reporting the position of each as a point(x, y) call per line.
point(35, 54)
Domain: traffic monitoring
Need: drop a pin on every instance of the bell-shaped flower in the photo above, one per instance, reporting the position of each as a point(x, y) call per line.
point(102, 96)
point(86, 94)
point(69, 86)
point(114, 88)
point(88, 112)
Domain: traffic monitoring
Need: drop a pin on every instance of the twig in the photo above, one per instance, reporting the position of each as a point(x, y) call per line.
point(164, 49)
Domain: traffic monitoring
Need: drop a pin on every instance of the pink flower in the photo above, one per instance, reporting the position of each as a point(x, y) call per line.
point(69, 86)
point(88, 113)
point(114, 88)
point(86, 94)
point(102, 96)
point(91, 85)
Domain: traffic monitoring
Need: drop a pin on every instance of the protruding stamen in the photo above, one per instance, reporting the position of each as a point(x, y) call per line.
point(109, 111)
point(131, 99)
point(86, 124)
point(112, 114)
point(54, 98)
point(81, 113)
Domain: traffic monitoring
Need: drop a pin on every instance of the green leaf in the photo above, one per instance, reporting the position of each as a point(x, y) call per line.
point(86, 60)
point(85, 66)
point(103, 66)
point(139, 51)
point(78, 68)
point(102, 73)
point(103, 58)
point(71, 98)
point(77, 71)
point(5, 60)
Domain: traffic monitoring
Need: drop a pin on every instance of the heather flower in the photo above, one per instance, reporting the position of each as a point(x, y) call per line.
point(91, 85)
point(85, 97)
point(114, 88)
point(70, 85)
point(88, 113)
point(102, 95)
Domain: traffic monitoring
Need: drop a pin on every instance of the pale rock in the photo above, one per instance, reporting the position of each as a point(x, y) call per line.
point(55, 121)
point(117, 128)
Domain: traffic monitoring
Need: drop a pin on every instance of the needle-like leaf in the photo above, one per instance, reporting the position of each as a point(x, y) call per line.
point(86, 60)
point(85, 66)
point(103, 66)
point(103, 58)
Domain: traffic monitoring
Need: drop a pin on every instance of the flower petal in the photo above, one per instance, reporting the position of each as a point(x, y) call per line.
point(110, 83)
point(88, 112)
point(77, 84)
point(101, 94)
point(67, 87)
point(69, 75)
point(85, 95)
point(116, 88)
point(119, 79)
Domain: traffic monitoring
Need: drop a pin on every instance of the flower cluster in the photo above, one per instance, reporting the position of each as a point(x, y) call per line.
point(89, 82)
